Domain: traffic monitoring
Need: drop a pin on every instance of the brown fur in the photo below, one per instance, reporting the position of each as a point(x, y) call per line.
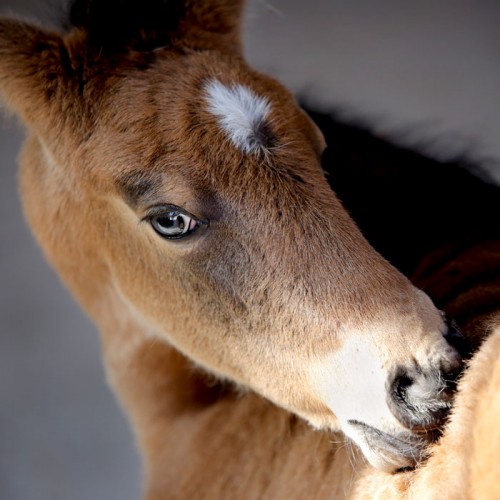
point(113, 132)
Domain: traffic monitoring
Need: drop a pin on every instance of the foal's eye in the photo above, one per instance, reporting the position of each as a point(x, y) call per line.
point(174, 223)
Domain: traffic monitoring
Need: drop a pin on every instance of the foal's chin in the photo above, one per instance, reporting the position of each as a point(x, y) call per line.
point(391, 452)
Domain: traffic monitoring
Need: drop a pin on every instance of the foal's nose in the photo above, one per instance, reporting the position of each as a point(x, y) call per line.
point(420, 396)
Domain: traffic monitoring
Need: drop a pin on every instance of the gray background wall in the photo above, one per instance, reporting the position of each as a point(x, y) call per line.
point(420, 71)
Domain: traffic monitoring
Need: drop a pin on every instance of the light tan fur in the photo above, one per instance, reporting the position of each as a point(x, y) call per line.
point(267, 298)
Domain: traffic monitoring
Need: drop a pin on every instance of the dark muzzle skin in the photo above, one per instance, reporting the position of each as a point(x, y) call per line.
point(405, 448)
point(421, 398)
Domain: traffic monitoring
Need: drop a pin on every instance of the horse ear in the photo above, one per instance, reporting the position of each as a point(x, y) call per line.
point(215, 22)
point(120, 26)
point(43, 74)
point(34, 66)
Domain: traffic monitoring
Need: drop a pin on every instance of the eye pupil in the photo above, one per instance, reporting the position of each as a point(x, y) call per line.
point(174, 224)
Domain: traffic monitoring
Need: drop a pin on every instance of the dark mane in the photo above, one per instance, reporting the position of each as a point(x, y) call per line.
point(118, 25)
point(406, 203)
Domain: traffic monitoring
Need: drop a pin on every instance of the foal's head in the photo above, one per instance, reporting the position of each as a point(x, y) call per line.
point(165, 175)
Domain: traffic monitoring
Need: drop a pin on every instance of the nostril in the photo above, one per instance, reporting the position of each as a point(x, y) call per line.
point(400, 387)
point(457, 340)
point(420, 400)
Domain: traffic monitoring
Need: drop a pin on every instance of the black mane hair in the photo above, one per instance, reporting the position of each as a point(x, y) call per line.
point(114, 26)
point(406, 203)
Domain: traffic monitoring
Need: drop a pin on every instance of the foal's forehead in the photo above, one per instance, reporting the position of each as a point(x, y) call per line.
point(219, 121)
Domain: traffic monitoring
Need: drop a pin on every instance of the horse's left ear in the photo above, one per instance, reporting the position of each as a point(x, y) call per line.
point(214, 21)
point(121, 26)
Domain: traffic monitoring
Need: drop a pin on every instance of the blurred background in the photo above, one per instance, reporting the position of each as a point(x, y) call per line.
point(425, 73)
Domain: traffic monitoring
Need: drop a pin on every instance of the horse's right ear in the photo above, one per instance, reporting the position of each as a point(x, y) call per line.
point(35, 69)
